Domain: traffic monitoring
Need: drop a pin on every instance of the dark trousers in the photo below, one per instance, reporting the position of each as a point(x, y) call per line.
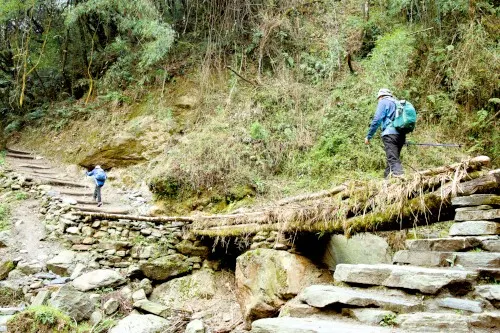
point(392, 145)
point(97, 193)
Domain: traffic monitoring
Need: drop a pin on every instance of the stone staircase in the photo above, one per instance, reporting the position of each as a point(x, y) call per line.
point(69, 188)
point(435, 285)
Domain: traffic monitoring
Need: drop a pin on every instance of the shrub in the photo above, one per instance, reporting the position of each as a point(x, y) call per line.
point(41, 319)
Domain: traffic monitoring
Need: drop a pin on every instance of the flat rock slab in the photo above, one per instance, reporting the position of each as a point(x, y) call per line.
point(368, 316)
point(98, 279)
point(478, 215)
point(308, 325)
point(434, 322)
point(476, 200)
point(489, 291)
point(449, 322)
point(492, 245)
point(136, 323)
point(475, 228)
point(152, 307)
point(450, 244)
point(447, 259)
point(321, 296)
point(426, 280)
point(460, 304)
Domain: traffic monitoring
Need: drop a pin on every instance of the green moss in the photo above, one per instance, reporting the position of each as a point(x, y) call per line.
point(5, 268)
point(41, 319)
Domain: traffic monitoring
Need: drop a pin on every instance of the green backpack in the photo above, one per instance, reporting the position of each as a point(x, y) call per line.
point(406, 117)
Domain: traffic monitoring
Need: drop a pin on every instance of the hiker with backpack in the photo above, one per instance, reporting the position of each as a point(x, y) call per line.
point(397, 118)
point(100, 178)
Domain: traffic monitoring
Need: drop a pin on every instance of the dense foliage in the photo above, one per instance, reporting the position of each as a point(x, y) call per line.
point(310, 70)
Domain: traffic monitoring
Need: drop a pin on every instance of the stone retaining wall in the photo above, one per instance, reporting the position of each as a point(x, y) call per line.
point(120, 244)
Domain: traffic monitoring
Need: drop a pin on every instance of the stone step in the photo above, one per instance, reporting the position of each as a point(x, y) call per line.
point(312, 325)
point(21, 156)
point(87, 202)
point(477, 215)
point(35, 166)
point(60, 182)
point(476, 200)
point(452, 244)
point(460, 304)
point(321, 296)
point(369, 316)
point(449, 322)
point(491, 292)
point(480, 207)
point(447, 259)
point(18, 151)
point(475, 228)
point(425, 280)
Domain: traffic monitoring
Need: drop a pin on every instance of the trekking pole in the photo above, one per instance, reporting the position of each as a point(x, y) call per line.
point(454, 145)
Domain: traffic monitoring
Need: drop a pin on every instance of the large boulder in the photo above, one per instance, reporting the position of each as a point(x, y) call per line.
point(121, 151)
point(166, 267)
point(199, 285)
point(362, 248)
point(76, 304)
point(136, 323)
point(266, 279)
point(98, 279)
point(198, 292)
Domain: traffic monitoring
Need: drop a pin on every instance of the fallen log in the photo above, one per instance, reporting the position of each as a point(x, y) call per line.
point(472, 164)
point(109, 216)
point(104, 210)
point(435, 205)
point(360, 200)
point(312, 196)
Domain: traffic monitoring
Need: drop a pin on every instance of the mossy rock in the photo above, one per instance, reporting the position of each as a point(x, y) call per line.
point(41, 319)
point(164, 268)
point(5, 269)
point(122, 151)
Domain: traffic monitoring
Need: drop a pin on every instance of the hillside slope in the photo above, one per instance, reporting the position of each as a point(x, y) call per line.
point(294, 117)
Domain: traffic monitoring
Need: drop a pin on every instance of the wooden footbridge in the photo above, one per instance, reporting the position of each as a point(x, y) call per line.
point(419, 198)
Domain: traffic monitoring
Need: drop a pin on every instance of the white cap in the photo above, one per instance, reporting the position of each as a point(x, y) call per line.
point(98, 167)
point(384, 92)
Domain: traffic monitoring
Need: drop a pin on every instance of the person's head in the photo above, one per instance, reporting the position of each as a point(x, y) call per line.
point(384, 92)
point(98, 167)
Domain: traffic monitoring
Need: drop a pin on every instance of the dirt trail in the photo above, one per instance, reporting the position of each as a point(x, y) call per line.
point(27, 235)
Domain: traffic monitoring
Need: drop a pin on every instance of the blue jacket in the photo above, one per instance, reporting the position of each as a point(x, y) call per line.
point(386, 110)
point(98, 173)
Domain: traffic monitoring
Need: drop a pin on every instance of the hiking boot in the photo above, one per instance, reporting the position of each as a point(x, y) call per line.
point(99, 204)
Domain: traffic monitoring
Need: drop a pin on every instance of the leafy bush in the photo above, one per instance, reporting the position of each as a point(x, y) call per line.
point(41, 319)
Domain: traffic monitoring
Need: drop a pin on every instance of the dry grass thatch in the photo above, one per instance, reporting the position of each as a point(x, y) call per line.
point(353, 207)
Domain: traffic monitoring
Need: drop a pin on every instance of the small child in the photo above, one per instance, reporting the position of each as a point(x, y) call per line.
point(100, 178)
